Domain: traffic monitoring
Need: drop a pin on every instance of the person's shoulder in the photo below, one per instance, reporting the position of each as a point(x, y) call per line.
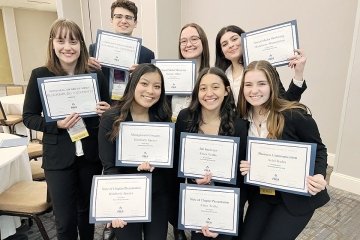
point(41, 72)
point(146, 51)
point(296, 116)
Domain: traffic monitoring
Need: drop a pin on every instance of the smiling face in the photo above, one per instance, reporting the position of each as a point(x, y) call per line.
point(190, 43)
point(256, 88)
point(123, 21)
point(231, 46)
point(67, 49)
point(148, 90)
point(212, 92)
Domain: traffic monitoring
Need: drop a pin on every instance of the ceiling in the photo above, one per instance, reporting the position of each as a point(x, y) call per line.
point(42, 5)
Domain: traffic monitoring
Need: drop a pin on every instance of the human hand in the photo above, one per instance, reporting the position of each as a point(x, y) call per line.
point(94, 63)
point(207, 233)
point(101, 107)
point(297, 62)
point(316, 183)
point(117, 223)
point(205, 180)
point(145, 166)
point(69, 121)
point(244, 167)
point(132, 68)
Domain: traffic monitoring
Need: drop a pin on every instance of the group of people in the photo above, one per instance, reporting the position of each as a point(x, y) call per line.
point(227, 100)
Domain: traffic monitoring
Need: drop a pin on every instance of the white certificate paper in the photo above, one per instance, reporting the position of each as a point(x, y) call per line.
point(64, 95)
point(200, 154)
point(125, 196)
point(282, 165)
point(216, 207)
point(179, 75)
point(274, 44)
point(117, 51)
point(145, 142)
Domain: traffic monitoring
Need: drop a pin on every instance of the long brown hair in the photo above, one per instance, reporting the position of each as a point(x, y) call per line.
point(160, 110)
point(60, 28)
point(275, 105)
point(205, 55)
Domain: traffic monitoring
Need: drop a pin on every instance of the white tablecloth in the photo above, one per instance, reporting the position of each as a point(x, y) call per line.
point(14, 167)
point(14, 105)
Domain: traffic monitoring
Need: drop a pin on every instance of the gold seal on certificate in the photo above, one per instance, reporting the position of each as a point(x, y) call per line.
point(215, 207)
point(179, 75)
point(201, 153)
point(140, 142)
point(282, 165)
point(274, 44)
point(125, 196)
point(116, 50)
point(64, 95)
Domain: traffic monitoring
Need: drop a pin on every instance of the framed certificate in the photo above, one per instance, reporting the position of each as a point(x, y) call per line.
point(208, 153)
point(282, 165)
point(216, 207)
point(140, 142)
point(179, 75)
point(117, 83)
point(274, 44)
point(126, 197)
point(116, 50)
point(61, 96)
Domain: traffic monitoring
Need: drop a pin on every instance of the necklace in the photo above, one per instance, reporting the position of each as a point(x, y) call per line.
point(259, 122)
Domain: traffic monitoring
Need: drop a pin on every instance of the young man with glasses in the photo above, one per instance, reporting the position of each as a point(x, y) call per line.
point(123, 20)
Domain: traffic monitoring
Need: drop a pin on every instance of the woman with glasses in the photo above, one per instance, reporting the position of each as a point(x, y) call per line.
point(69, 166)
point(193, 44)
point(229, 58)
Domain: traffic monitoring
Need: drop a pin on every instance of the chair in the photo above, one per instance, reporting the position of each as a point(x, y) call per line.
point(14, 90)
point(35, 151)
point(9, 120)
point(26, 199)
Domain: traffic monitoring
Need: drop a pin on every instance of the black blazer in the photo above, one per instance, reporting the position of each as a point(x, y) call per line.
point(58, 149)
point(301, 127)
point(107, 150)
point(146, 55)
point(241, 130)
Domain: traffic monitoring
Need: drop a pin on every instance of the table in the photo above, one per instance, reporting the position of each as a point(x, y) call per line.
point(14, 167)
point(13, 105)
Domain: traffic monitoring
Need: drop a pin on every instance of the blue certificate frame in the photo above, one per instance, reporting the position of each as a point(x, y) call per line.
point(222, 209)
point(179, 75)
point(134, 148)
point(274, 44)
point(108, 187)
point(208, 155)
point(113, 56)
point(59, 94)
point(276, 155)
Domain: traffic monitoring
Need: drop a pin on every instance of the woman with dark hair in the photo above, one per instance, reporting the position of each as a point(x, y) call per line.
point(279, 215)
point(69, 167)
point(143, 101)
point(212, 111)
point(229, 58)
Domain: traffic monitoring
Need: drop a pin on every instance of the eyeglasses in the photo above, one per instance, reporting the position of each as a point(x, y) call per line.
point(192, 40)
point(128, 18)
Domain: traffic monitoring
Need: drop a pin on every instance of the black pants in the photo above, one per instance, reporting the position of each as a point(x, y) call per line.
point(272, 221)
point(70, 194)
point(200, 236)
point(154, 230)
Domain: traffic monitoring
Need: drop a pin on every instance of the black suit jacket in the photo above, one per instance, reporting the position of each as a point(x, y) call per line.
point(107, 150)
point(301, 127)
point(146, 55)
point(58, 149)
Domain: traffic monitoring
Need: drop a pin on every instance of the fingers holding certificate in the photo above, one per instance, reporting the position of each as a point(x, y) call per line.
point(116, 50)
point(62, 96)
point(281, 165)
point(126, 197)
point(207, 155)
point(146, 144)
point(214, 209)
point(274, 44)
